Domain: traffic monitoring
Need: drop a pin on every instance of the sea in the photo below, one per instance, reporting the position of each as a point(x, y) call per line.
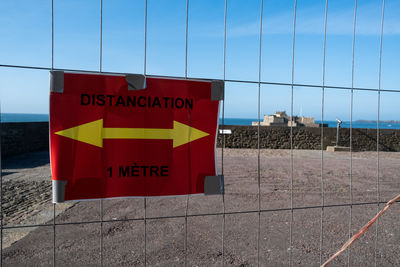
point(24, 117)
point(333, 124)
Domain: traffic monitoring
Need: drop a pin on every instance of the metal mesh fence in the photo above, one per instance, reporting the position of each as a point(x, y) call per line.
point(310, 228)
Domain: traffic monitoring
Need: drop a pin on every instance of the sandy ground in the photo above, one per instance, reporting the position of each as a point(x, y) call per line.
point(27, 191)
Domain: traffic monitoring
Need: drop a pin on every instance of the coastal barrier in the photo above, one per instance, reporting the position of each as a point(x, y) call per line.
point(22, 137)
point(275, 137)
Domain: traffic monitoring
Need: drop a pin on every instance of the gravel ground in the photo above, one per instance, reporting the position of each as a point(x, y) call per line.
point(26, 200)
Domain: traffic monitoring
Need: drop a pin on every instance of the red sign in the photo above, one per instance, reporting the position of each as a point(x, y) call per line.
point(120, 136)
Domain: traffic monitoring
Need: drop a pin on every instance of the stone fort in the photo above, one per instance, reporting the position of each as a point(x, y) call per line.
point(280, 118)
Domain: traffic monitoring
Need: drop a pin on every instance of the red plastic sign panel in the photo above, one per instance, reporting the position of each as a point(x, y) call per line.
point(124, 136)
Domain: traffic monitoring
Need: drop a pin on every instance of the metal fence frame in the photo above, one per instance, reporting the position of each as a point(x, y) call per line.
point(259, 82)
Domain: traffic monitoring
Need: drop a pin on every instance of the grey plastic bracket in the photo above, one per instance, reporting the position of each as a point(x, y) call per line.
point(136, 81)
point(59, 190)
point(217, 90)
point(214, 185)
point(57, 81)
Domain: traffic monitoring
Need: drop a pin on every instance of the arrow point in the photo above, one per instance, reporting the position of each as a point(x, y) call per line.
point(183, 134)
point(90, 133)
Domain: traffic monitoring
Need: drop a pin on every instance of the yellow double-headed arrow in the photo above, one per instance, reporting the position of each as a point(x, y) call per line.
point(93, 133)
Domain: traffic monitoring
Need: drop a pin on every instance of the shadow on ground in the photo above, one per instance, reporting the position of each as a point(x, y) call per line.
point(24, 161)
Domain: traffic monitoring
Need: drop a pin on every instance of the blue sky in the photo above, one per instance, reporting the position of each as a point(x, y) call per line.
point(26, 40)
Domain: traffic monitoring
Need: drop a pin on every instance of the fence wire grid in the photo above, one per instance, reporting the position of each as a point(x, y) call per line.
point(260, 209)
